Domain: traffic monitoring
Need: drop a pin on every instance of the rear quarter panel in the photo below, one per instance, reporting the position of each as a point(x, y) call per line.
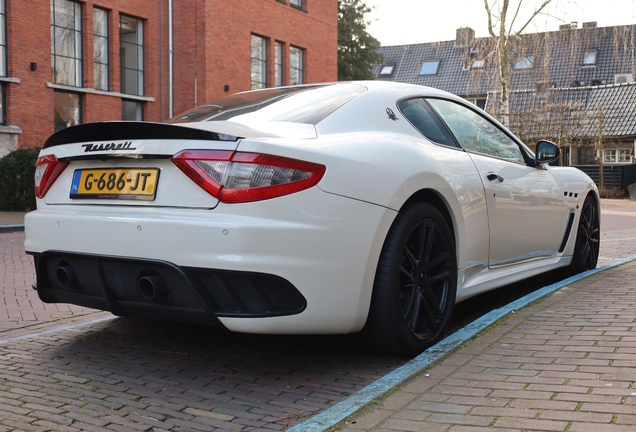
point(387, 168)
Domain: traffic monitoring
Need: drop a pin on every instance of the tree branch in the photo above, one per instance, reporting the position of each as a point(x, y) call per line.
point(537, 12)
point(512, 23)
point(492, 33)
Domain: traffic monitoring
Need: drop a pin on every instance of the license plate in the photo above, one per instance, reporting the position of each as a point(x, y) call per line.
point(120, 183)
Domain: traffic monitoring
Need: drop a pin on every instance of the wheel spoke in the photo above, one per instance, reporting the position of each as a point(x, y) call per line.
point(593, 257)
point(589, 215)
point(408, 274)
point(409, 255)
point(409, 305)
point(442, 275)
point(431, 301)
point(439, 259)
point(429, 312)
point(427, 243)
point(586, 251)
point(415, 314)
point(584, 220)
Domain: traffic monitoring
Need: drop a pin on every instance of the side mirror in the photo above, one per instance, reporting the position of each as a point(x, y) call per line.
point(546, 152)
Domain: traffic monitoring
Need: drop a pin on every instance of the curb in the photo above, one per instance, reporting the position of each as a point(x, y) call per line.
point(11, 228)
point(339, 412)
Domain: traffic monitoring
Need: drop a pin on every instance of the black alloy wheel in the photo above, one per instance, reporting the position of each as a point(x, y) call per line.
point(587, 238)
point(416, 282)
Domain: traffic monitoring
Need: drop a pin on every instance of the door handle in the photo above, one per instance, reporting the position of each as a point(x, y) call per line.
point(493, 177)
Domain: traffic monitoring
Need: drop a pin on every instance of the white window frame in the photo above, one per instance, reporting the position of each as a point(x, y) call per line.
point(617, 156)
point(589, 58)
point(387, 70)
point(258, 63)
point(525, 62)
point(300, 69)
point(427, 63)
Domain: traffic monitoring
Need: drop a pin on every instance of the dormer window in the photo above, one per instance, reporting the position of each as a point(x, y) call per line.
point(589, 59)
point(525, 62)
point(387, 70)
point(477, 64)
point(429, 67)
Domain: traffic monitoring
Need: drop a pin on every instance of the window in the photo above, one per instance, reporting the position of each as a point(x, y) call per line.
point(306, 104)
point(420, 114)
point(429, 67)
point(100, 48)
point(387, 70)
point(296, 3)
point(475, 133)
point(566, 156)
point(526, 62)
point(131, 35)
point(3, 112)
point(278, 69)
point(617, 156)
point(589, 58)
point(3, 39)
point(3, 60)
point(132, 110)
point(68, 109)
point(478, 64)
point(624, 155)
point(295, 66)
point(66, 42)
point(259, 63)
point(480, 102)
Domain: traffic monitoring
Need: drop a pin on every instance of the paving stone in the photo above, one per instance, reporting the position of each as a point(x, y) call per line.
point(546, 367)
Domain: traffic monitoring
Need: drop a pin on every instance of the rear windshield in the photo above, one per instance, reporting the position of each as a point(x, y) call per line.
point(304, 104)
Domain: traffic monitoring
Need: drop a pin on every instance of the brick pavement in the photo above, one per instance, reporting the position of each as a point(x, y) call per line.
point(565, 363)
point(129, 374)
point(21, 311)
point(138, 374)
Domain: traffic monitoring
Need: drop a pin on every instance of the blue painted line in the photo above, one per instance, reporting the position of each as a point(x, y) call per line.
point(55, 330)
point(11, 228)
point(344, 409)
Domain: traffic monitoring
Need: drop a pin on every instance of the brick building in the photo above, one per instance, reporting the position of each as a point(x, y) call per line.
point(64, 62)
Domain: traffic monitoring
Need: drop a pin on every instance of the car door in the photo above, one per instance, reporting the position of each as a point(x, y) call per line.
point(525, 204)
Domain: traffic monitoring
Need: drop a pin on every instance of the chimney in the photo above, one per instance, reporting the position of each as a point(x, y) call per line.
point(573, 25)
point(591, 24)
point(464, 36)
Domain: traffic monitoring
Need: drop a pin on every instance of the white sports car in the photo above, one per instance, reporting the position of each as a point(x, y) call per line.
point(326, 208)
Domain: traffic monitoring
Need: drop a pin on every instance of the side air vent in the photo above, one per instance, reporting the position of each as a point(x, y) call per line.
point(566, 237)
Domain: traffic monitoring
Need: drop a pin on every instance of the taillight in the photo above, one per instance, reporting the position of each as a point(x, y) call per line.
point(234, 177)
point(47, 170)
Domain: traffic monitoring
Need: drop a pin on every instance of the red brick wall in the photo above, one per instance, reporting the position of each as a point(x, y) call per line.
point(211, 41)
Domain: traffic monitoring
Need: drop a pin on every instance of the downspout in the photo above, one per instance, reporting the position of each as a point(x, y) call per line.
point(170, 90)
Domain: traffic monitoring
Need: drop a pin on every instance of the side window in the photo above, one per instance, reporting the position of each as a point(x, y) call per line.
point(475, 133)
point(420, 114)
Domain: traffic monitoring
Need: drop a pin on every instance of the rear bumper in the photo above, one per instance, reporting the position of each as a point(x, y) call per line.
point(156, 289)
point(324, 246)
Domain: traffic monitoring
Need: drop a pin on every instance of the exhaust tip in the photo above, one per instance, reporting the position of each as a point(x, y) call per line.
point(153, 287)
point(66, 275)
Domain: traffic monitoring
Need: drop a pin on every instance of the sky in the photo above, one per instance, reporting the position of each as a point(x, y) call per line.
point(399, 22)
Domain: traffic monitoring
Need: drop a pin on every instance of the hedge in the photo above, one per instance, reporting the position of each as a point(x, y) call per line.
point(17, 188)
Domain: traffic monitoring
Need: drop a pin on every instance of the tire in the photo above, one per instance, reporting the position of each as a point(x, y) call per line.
point(415, 282)
point(586, 248)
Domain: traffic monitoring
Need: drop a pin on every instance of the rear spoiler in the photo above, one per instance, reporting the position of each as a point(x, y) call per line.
point(115, 131)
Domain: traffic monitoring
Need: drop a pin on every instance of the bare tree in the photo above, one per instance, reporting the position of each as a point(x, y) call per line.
point(504, 35)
